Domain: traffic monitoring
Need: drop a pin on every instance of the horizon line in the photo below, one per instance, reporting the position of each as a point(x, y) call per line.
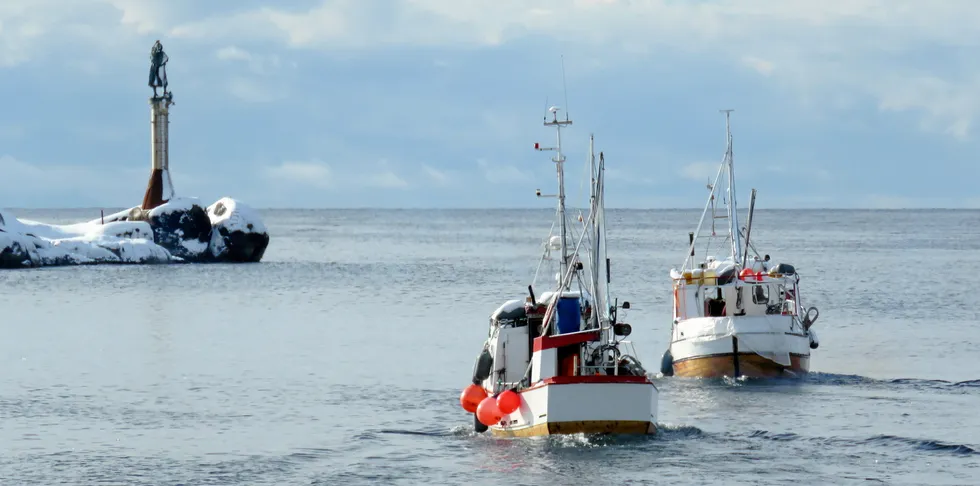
point(497, 208)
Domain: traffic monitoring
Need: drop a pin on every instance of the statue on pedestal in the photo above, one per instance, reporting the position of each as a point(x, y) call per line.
point(158, 68)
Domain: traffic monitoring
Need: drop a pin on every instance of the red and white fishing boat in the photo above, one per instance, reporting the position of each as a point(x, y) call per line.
point(557, 363)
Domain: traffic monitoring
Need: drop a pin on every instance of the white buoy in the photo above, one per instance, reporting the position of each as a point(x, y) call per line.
point(555, 242)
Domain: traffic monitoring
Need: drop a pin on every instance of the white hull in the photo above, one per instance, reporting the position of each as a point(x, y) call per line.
point(583, 404)
point(777, 341)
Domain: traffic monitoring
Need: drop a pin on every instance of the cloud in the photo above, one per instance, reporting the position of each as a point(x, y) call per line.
point(821, 48)
point(257, 64)
point(312, 173)
point(761, 66)
point(45, 185)
point(232, 53)
point(884, 201)
point(437, 176)
point(319, 175)
point(700, 171)
point(387, 179)
point(632, 177)
point(502, 174)
point(253, 91)
point(318, 80)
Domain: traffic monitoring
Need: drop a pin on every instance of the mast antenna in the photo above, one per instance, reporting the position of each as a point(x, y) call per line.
point(564, 86)
point(733, 231)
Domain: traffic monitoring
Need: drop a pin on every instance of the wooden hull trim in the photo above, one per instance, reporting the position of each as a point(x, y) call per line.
point(749, 364)
point(608, 427)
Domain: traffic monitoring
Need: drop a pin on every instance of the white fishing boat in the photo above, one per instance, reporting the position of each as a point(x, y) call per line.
point(736, 315)
point(557, 363)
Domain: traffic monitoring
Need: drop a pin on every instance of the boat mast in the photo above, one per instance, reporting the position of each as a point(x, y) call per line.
point(559, 161)
point(733, 228)
point(601, 230)
point(596, 235)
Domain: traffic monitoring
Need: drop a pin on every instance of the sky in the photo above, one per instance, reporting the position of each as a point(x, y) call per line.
point(438, 103)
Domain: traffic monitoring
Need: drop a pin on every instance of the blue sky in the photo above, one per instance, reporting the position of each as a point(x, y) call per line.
point(437, 103)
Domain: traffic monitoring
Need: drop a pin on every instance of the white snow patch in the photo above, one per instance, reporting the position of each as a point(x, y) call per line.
point(175, 204)
point(507, 307)
point(235, 216)
point(195, 247)
point(115, 242)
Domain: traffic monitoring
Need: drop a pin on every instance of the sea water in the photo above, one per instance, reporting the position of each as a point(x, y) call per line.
point(340, 358)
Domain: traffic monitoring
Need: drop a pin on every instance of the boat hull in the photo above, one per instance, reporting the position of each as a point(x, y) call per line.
point(611, 427)
point(754, 347)
point(750, 365)
point(624, 405)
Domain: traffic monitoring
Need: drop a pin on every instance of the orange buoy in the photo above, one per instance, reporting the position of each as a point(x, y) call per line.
point(471, 397)
point(508, 402)
point(488, 413)
point(746, 273)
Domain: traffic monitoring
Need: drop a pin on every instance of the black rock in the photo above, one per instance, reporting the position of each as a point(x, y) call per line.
point(13, 253)
point(238, 234)
point(241, 247)
point(183, 228)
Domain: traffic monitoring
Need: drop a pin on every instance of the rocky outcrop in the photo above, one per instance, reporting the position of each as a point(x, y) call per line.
point(180, 230)
point(238, 234)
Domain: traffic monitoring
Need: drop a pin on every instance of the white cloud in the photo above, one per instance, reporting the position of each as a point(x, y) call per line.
point(883, 201)
point(700, 171)
point(821, 48)
point(437, 176)
point(317, 174)
point(621, 176)
point(312, 173)
point(501, 174)
point(798, 171)
point(387, 179)
point(232, 53)
point(761, 66)
point(257, 64)
point(253, 91)
point(43, 184)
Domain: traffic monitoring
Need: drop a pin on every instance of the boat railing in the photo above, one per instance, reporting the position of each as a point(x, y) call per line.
point(623, 348)
point(777, 294)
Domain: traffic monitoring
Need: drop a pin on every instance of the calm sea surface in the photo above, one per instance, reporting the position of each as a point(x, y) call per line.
point(340, 358)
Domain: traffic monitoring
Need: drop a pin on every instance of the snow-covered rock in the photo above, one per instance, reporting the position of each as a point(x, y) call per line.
point(25, 243)
point(180, 230)
point(182, 226)
point(238, 234)
point(16, 250)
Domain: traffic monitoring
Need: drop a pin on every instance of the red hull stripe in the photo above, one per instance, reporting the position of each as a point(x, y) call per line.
point(549, 342)
point(588, 379)
point(571, 380)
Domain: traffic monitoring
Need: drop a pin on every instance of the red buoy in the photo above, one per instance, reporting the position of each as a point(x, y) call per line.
point(471, 397)
point(508, 402)
point(746, 273)
point(488, 413)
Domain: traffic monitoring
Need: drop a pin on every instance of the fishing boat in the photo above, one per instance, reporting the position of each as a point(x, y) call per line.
point(736, 315)
point(557, 363)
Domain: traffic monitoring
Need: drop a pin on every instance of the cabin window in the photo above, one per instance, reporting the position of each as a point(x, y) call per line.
point(760, 295)
point(715, 307)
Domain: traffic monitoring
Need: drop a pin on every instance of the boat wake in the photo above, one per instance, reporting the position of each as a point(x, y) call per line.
point(886, 441)
point(685, 433)
point(829, 379)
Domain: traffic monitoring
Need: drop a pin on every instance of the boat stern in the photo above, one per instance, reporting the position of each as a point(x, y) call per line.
point(620, 405)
